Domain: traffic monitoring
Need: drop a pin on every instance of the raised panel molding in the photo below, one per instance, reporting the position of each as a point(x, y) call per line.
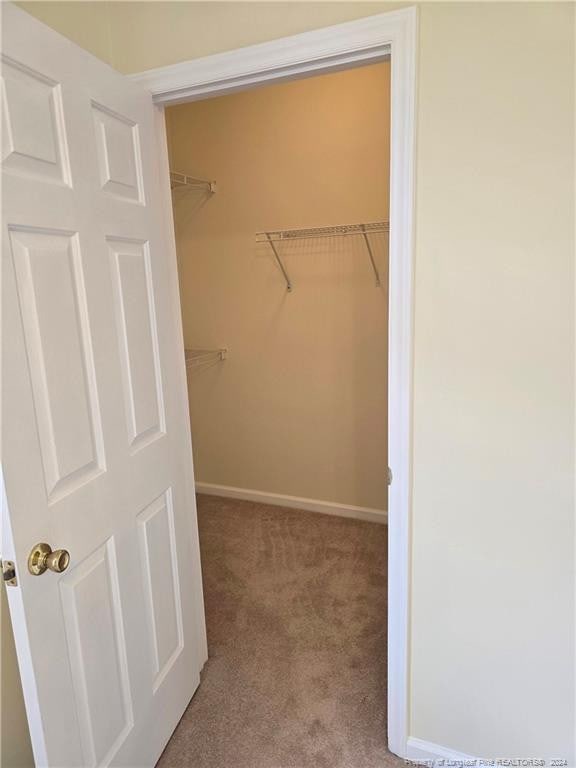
point(118, 151)
point(157, 539)
point(93, 620)
point(33, 131)
point(49, 276)
point(138, 340)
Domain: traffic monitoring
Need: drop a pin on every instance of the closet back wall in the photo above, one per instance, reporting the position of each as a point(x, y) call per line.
point(300, 405)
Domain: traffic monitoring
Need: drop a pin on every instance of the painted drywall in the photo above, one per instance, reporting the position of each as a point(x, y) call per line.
point(15, 747)
point(134, 36)
point(87, 23)
point(299, 406)
point(493, 508)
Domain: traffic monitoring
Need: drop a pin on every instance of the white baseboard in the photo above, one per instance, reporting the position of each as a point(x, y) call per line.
point(426, 751)
point(296, 502)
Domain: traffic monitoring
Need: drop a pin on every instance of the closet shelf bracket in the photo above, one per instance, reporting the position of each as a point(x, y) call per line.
point(196, 357)
point(371, 256)
point(280, 264)
point(182, 180)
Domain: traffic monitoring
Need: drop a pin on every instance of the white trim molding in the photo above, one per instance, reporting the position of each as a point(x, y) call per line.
point(367, 514)
point(337, 47)
point(325, 50)
point(428, 753)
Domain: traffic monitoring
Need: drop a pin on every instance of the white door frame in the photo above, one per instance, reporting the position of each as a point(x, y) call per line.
point(366, 41)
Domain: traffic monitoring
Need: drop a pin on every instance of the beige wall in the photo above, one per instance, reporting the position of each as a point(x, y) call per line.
point(133, 36)
point(86, 23)
point(493, 552)
point(493, 516)
point(15, 747)
point(299, 406)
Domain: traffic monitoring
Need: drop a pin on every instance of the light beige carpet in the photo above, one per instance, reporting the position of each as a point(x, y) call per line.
point(296, 614)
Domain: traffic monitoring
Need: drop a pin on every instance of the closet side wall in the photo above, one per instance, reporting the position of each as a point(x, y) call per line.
point(299, 407)
point(15, 746)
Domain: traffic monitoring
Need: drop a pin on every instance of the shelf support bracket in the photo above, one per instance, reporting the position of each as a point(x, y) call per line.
point(280, 264)
point(179, 180)
point(371, 255)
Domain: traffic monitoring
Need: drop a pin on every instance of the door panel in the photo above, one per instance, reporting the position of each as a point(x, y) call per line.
point(33, 136)
point(54, 314)
point(119, 162)
point(161, 584)
point(90, 596)
point(138, 338)
point(95, 430)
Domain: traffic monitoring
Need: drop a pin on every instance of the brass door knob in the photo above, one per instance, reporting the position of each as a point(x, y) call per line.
point(42, 558)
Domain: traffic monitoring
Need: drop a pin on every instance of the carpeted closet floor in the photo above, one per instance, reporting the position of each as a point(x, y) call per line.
point(296, 615)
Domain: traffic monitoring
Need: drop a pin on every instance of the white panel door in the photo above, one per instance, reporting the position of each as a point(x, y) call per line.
point(96, 454)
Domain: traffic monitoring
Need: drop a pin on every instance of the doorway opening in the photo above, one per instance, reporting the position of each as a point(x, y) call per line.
point(281, 210)
point(393, 36)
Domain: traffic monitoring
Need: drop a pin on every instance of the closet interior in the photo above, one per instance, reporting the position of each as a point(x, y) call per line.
point(280, 200)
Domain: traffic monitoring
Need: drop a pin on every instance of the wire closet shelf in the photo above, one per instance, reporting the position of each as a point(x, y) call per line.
point(272, 237)
point(196, 357)
point(183, 181)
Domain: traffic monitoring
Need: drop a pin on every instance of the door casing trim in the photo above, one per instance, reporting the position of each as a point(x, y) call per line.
point(356, 43)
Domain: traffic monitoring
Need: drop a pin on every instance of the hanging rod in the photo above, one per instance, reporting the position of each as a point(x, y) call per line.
point(199, 356)
point(341, 230)
point(178, 180)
